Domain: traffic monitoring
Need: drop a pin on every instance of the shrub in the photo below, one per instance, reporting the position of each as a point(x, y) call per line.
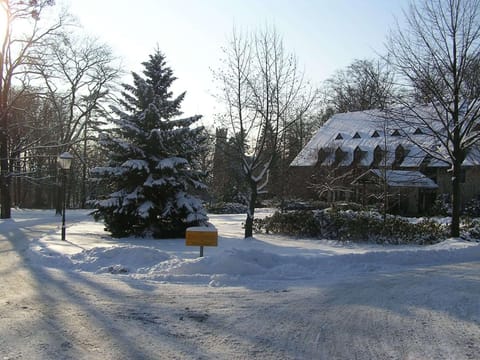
point(471, 229)
point(293, 204)
point(227, 208)
point(442, 205)
point(348, 206)
point(353, 226)
point(472, 208)
point(294, 223)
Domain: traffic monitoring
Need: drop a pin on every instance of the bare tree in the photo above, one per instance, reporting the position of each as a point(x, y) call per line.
point(262, 89)
point(79, 75)
point(363, 85)
point(227, 175)
point(439, 46)
point(329, 181)
point(17, 54)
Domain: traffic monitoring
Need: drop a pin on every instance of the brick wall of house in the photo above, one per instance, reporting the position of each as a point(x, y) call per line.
point(299, 183)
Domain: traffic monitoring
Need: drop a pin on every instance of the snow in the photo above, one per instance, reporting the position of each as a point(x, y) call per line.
point(136, 164)
point(268, 297)
point(340, 130)
point(144, 209)
point(252, 262)
point(202, 229)
point(171, 163)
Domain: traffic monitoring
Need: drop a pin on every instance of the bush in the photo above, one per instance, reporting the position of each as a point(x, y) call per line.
point(442, 206)
point(471, 229)
point(353, 226)
point(294, 223)
point(472, 208)
point(347, 206)
point(292, 204)
point(227, 208)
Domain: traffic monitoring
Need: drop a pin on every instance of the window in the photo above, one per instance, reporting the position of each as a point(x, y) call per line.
point(418, 131)
point(322, 155)
point(375, 134)
point(339, 137)
point(358, 154)
point(395, 132)
point(356, 136)
point(377, 155)
point(399, 155)
point(339, 156)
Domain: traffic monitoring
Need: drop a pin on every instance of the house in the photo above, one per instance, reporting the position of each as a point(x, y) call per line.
point(368, 156)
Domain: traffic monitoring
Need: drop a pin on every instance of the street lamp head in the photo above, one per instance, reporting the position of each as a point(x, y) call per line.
point(65, 160)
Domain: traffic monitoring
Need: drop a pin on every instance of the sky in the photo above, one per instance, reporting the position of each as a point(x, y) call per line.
point(325, 35)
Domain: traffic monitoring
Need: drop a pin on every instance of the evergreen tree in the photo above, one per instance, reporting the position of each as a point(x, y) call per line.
point(151, 177)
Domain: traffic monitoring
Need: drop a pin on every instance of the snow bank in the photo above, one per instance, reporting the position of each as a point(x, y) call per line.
point(268, 258)
point(251, 264)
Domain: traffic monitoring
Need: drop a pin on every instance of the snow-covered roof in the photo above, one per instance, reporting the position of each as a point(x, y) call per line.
point(399, 178)
point(366, 130)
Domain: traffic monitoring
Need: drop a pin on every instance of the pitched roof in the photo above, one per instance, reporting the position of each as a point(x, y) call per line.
point(367, 124)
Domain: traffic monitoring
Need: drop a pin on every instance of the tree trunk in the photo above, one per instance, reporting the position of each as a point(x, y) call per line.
point(456, 200)
point(83, 196)
point(251, 210)
point(5, 179)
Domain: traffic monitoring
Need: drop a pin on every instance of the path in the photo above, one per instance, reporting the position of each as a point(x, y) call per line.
point(52, 314)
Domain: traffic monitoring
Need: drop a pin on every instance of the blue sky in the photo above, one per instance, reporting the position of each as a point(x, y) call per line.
point(326, 35)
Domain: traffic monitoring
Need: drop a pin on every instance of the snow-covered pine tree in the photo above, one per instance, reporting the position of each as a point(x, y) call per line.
point(151, 176)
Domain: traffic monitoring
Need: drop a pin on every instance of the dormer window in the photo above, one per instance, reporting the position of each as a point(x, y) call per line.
point(375, 134)
point(322, 155)
point(358, 154)
point(356, 136)
point(395, 133)
point(399, 155)
point(378, 154)
point(339, 137)
point(339, 155)
point(418, 131)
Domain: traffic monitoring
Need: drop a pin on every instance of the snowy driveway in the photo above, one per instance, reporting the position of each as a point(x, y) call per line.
point(410, 310)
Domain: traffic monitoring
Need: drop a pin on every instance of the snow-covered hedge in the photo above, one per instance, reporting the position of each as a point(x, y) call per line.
point(472, 208)
point(353, 226)
point(293, 204)
point(227, 208)
point(296, 223)
point(470, 229)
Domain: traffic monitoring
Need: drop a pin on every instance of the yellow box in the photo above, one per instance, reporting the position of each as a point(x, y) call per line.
point(201, 236)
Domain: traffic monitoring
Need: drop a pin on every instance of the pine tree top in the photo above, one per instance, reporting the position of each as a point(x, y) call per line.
point(153, 89)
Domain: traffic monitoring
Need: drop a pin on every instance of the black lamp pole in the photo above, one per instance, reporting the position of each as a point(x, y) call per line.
point(65, 161)
point(64, 205)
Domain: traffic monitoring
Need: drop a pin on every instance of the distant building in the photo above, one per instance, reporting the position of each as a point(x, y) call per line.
point(361, 156)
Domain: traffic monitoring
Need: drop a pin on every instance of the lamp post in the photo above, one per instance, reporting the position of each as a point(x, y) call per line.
point(65, 161)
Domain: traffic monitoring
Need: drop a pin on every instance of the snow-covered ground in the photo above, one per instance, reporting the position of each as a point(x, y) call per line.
point(278, 297)
point(256, 262)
